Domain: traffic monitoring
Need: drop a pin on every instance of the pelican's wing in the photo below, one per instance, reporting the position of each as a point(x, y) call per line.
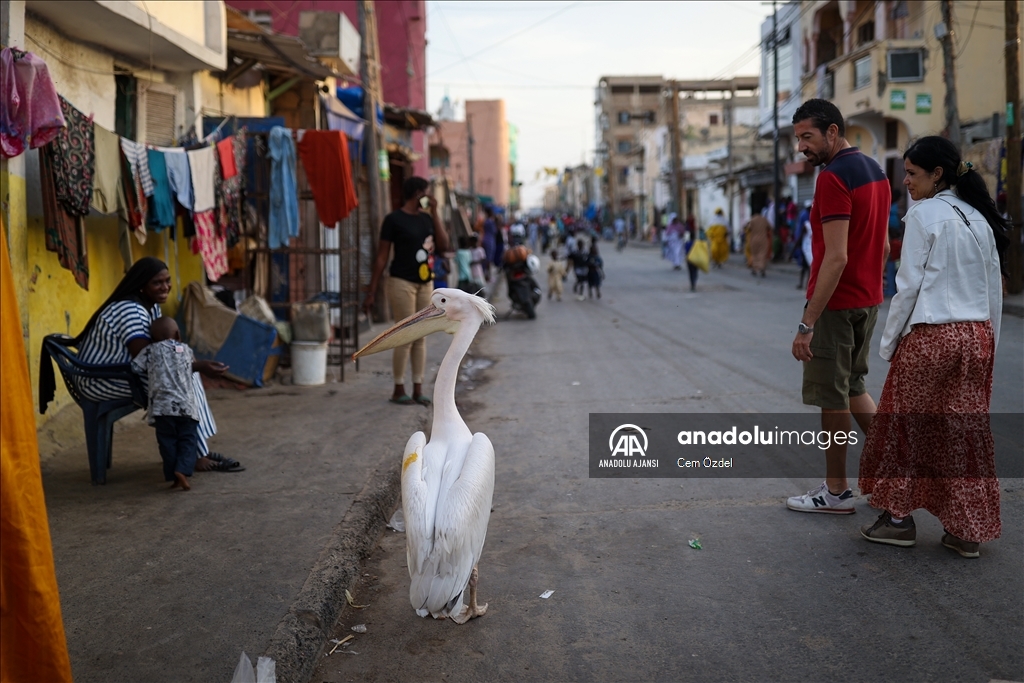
point(419, 530)
point(461, 524)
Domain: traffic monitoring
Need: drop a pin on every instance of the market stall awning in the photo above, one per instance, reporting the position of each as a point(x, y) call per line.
point(407, 118)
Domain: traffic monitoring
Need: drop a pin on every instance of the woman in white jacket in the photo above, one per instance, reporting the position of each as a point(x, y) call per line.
point(930, 445)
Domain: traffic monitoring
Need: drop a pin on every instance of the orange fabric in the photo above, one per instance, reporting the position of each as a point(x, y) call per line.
point(324, 155)
point(32, 644)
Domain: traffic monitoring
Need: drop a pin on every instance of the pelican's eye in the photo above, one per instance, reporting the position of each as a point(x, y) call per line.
point(444, 301)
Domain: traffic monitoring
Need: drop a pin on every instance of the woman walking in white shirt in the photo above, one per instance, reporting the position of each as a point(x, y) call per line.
point(930, 445)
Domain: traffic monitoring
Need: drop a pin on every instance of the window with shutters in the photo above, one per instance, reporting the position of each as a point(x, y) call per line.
point(158, 114)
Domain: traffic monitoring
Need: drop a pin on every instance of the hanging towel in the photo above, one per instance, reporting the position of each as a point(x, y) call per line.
point(201, 162)
point(131, 210)
point(179, 175)
point(136, 153)
point(64, 231)
point(211, 245)
point(325, 157)
point(108, 170)
point(161, 205)
point(283, 222)
point(226, 152)
point(30, 113)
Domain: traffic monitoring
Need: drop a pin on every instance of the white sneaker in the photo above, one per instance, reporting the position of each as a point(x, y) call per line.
point(821, 500)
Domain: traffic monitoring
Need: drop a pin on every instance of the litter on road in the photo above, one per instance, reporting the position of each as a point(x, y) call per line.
point(695, 543)
point(359, 628)
point(546, 594)
point(352, 602)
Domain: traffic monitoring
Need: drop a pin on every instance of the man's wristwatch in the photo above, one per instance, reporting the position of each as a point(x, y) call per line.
point(803, 329)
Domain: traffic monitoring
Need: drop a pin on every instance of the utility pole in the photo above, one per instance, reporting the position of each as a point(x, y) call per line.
point(1013, 171)
point(469, 150)
point(949, 72)
point(776, 198)
point(728, 147)
point(677, 180)
point(370, 73)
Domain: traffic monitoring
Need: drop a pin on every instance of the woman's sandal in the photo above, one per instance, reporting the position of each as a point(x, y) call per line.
point(224, 464)
point(422, 400)
point(403, 400)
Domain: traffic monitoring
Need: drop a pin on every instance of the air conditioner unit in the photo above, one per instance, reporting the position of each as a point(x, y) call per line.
point(332, 37)
point(905, 66)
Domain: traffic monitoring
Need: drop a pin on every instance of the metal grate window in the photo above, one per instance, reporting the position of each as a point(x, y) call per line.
point(160, 108)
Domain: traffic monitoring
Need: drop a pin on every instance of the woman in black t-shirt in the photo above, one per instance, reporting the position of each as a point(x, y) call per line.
point(416, 234)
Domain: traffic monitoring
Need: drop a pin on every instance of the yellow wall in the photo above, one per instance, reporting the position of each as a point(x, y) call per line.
point(220, 99)
point(184, 16)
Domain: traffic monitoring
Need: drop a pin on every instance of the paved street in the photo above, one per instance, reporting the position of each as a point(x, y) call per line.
point(773, 594)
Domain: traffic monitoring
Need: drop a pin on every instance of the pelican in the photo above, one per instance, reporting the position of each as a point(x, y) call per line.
point(447, 482)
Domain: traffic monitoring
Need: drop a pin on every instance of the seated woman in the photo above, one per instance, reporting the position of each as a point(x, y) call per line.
point(119, 330)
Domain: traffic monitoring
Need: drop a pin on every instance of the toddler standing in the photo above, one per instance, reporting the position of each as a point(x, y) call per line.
point(173, 404)
point(556, 275)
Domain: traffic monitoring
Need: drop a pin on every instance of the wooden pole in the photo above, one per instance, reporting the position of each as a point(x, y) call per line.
point(677, 180)
point(370, 72)
point(1013, 131)
point(949, 74)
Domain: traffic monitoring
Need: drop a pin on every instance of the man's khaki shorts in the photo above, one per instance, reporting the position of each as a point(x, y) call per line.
point(840, 346)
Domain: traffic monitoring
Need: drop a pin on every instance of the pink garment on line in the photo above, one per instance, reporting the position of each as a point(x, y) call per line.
point(30, 113)
point(212, 247)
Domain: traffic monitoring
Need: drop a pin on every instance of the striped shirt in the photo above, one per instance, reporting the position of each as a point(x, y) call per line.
point(107, 344)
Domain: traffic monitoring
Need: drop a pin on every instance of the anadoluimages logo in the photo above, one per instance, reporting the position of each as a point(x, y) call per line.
point(628, 443)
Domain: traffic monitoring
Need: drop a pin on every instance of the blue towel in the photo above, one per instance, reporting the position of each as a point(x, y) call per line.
point(179, 177)
point(283, 222)
point(161, 205)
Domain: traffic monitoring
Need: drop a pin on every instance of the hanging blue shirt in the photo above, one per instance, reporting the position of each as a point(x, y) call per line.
point(179, 177)
point(161, 205)
point(283, 222)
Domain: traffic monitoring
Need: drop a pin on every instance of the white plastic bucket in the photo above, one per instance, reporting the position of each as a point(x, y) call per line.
point(309, 363)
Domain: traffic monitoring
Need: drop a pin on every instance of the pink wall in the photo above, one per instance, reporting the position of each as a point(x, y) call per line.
point(402, 32)
point(491, 170)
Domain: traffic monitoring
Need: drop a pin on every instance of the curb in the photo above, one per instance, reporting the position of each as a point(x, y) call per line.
point(300, 636)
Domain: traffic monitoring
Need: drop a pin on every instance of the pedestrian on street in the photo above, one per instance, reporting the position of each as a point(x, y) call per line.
point(581, 270)
point(691, 239)
point(674, 241)
point(595, 271)
point(415, 231)
point(556, 276)
point(849, 218)
point(930, 445)
point(802, 248)
point(759, 243)
point(718, 233)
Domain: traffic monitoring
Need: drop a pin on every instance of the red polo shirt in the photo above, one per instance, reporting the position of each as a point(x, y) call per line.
point(852, 187)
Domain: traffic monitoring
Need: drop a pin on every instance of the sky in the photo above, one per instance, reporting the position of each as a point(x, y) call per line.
point(545, 58)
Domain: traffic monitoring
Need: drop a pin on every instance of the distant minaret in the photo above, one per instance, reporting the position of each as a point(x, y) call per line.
point(447, 111)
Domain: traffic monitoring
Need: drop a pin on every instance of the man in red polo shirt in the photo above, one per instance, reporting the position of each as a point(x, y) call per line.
point(849, 242)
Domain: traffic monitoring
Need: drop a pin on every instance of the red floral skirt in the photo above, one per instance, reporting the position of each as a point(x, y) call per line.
point(930, 444)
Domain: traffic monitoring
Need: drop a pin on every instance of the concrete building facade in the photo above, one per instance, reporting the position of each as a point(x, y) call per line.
point(491, 150)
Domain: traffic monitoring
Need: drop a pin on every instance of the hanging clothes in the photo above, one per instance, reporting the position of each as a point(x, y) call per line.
point(212, 246)
point(231, 152)
point(73, 160)
point(202, 163)
point(64, 231)
point(139, 160)
point(107, 178)
point(131, 209)
point(179, 175)
point(283, 222)
point(161, 206)
point(325, 157)
point(226, 154)
point(30, 112)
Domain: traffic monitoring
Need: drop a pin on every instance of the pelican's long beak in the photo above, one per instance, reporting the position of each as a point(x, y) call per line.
point(418, 325)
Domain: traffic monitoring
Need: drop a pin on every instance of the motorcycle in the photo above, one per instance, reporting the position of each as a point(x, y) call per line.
point(523, 291)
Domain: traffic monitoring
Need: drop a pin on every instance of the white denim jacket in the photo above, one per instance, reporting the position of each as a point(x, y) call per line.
point(949, 270)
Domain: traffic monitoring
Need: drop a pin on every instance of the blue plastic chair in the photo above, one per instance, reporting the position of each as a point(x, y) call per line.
point(100, 416)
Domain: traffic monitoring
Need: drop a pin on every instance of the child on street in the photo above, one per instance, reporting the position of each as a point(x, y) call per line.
point(580, 269)
point(556, 275)
point(173, 404)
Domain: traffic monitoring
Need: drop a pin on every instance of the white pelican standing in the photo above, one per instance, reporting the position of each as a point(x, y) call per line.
point(447, 483)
